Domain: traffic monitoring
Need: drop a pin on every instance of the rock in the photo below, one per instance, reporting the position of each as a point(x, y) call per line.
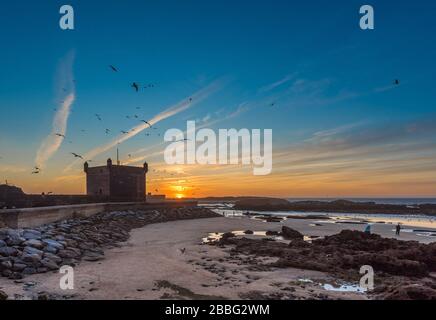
point(52, 257)
point(6, 273)
point(32, 250)
point(411, 292)
point(32, 234)
point(49, 264)
point(291, 234)
point(3, 295)
point(2, 244)
point(53, 244)
point(6, 265)
point(8, 251)
point(51, 249)
point(67, 253)
point(34, 243)
point(31, 258)
point(272, 233)
point(29, 270)
point(248, 232)
point(18, 267)
point(14, 240)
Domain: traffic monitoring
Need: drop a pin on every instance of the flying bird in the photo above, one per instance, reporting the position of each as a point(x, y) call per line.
point(396, 82)
point(124, 132)
point(113, 68)
point(35, 172)
point(76, 155)
point(107, 131)
point(135, 86)
point(146, 122)
point(60, 135)
point(98, 116)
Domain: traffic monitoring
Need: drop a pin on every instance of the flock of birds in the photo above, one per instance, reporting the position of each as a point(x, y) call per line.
point(136, 86)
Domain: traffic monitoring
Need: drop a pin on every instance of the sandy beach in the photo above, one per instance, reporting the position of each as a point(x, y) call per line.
point(151, 265)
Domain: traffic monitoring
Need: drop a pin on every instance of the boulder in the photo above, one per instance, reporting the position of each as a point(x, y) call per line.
point(53, 243)
point(31, 258)
point(3, 295)
point(291, 234)
point(34, 243)
point(8, 251)
point(49, 264)
point(30, 234)
point(2, 244)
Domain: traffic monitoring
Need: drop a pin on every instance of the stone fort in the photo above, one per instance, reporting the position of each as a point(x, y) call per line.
point(116, 182)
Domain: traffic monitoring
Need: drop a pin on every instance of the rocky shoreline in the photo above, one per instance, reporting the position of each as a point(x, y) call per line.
point(338, 206)
point(47, 248)
point(403, 269)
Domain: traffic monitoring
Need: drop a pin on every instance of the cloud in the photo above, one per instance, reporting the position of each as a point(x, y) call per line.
point(66, 91)
point(12, 169)
point(276, 84)
point(182, 105)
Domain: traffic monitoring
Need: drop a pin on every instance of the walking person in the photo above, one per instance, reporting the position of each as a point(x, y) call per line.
point(398, 229)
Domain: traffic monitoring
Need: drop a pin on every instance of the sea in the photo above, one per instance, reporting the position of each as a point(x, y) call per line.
point(398, 201)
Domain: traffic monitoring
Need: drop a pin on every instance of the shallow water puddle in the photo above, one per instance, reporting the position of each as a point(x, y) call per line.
point(345, 288)
point(216, 236)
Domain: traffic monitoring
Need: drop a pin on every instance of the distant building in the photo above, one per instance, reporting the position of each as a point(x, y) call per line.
point(116, 182)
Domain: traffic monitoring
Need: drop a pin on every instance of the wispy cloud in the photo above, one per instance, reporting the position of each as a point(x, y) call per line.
point(6, 168)
point(276, 84)
point(66, 91)
point(182, 105)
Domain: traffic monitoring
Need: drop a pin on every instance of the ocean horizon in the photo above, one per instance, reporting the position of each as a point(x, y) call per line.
point(397, 201)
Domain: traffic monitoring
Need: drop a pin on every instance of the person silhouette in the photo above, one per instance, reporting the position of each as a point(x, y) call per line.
point(398, 229)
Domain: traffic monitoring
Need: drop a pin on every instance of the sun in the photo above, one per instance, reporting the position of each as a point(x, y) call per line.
point(179, 196)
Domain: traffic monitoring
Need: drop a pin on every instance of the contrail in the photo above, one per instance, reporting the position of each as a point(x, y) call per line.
point(169, 112)
point(64, 84)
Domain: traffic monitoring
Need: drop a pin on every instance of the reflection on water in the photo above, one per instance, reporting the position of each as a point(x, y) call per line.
point(420, 221)
point(216, 236)
point(345, 288)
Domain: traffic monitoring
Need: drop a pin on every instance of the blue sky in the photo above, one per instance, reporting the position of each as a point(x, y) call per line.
point(310, 58)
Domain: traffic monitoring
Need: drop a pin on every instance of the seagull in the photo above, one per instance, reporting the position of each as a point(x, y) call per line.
point(396, 82)
point(76, 155)
point(135, 86)
point(60, 135)
point(98, 116)
point(146, 122)
point(124, 132)
point(129, 155)
point(107, 131)
point(113, 68)
point(136, 116)
point(35, 172)
point(182, 140)
point(128, 117)
point(273, 104)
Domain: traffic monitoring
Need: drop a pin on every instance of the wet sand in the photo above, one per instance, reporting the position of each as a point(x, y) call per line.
point(150, 265)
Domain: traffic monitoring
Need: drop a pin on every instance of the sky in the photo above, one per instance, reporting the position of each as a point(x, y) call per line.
point(304, 69)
